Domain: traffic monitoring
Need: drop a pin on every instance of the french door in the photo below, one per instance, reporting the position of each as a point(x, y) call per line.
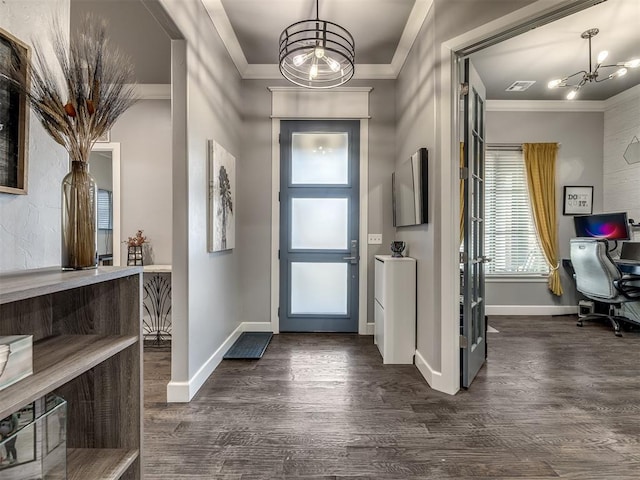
point(319, 225)
point(473, 312)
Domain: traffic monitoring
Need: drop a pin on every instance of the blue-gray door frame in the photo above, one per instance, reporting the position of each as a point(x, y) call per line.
point(319, 323)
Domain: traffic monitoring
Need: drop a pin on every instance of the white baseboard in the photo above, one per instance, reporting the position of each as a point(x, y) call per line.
point(433, 377)
point(370, 329)
point(517, 310)
point(183, 392)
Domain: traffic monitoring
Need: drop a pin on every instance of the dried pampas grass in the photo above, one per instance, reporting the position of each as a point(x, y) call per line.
point(84, 92)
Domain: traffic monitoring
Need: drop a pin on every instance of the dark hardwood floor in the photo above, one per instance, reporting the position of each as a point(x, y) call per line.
point(553, 401)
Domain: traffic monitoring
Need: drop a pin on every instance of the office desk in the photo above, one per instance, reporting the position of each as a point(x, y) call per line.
point(629, 268)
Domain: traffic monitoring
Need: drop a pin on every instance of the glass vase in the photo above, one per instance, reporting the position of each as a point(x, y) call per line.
point(79, 219)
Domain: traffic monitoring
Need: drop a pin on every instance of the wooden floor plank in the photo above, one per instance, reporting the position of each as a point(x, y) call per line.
point(553, 401)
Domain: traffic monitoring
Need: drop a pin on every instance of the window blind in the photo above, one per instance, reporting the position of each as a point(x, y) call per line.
point(105, 215)
point(510, 236)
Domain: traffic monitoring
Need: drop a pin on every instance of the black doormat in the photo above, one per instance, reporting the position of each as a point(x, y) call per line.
point(249, 345)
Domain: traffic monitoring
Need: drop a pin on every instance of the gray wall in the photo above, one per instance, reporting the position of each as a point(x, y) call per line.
point(419, 110)
point(207, 283)
point(254, 189)
point(144, 134)
point(30, 224)
point(579, 162)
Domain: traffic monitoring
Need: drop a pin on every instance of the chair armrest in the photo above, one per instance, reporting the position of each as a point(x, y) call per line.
point(631, 292)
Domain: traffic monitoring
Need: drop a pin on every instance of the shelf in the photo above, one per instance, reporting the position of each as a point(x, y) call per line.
point(56, 361)
point(21, 285)
point(98, 463)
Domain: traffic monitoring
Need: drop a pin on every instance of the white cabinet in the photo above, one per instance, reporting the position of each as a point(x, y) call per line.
point(395, 308)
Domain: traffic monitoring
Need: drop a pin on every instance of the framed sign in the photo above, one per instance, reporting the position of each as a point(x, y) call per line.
point(14, 116)
point(578, 200)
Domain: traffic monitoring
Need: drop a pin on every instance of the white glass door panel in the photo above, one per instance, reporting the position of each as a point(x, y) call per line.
point(319, 223)
point(319, 158)
point(319, 288)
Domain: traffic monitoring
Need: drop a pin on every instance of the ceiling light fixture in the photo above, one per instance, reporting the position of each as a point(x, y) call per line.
point(592, 74)
point(316, 53)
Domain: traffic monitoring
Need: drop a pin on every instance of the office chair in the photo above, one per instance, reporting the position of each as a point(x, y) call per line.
point(599, 278)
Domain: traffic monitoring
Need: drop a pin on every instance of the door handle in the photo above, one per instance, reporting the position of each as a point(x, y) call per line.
point(353, 253)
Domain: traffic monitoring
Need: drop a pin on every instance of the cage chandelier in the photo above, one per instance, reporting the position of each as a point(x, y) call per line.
point(316, 53)
point(592, 74)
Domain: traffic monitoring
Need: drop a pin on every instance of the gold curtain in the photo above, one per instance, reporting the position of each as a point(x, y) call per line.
point(540, 164)
point(461, 194)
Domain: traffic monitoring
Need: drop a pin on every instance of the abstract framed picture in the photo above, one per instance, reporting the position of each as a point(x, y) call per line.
point(14, 116)
point(578, 200)
point(222, 199)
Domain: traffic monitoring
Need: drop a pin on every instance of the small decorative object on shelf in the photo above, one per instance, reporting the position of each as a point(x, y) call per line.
point(397, 247)
point(16, 359)
point(134, 248)
point(33, 441)
point(96, 88)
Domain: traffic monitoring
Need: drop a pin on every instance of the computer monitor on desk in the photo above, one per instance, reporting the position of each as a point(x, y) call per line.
point(606, 226)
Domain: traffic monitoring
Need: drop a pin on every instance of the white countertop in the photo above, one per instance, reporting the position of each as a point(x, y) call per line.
point(156, 268)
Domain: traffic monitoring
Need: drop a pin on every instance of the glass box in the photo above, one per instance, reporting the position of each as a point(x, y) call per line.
point(33, 441)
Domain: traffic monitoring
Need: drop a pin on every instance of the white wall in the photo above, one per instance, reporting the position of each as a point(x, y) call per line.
point(144, 134)
point(579, 162)
point(621, 180)
point(205, 285)
point(30, 224)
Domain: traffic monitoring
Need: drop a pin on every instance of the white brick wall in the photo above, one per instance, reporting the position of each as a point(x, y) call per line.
point(621, 180)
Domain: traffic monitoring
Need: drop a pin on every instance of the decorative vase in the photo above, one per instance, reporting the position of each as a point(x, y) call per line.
point(79, 219)
point(397, 247)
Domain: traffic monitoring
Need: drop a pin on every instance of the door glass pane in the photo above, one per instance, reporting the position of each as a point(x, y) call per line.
point(319, 288)
point(319, 223)
point(319, 159)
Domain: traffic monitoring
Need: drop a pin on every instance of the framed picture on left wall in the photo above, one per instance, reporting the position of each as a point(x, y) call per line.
point(222, 198)
point(14, 116)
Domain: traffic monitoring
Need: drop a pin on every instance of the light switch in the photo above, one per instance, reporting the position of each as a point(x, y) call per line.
point(375, 239)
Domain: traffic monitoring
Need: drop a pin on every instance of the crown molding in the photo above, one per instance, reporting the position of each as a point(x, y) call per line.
point(255, 71)
point(545, 106)
point(222, 24)
point(415, 21)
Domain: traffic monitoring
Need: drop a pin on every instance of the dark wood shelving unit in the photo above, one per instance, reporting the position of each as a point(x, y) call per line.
point(87, 349)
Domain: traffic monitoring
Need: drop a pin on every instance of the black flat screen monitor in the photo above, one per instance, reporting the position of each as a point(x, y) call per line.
point(607, 226)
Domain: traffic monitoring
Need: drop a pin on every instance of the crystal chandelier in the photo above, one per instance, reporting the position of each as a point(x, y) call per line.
point(316, 53)
point(592, 74)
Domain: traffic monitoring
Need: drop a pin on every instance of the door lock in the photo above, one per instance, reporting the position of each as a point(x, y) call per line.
point(353, 253)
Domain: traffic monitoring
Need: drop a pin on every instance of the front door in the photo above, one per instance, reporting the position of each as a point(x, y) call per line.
point(473, 320)
point(319, 225)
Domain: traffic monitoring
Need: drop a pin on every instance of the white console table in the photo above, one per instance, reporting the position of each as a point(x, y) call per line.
point(395, 308)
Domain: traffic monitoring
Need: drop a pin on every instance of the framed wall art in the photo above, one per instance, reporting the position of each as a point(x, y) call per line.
point(578, 200)
point(222, 198)
point(14, 116)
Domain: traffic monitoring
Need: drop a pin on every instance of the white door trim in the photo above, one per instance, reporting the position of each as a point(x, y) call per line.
point(286, 105)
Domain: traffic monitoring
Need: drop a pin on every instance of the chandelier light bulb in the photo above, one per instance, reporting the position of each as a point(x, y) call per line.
point(333, 65)
point(313, 71)
point(635, 63)
point(602, 56)
point(300, 59)
point(572, 94)
point(619, 73)
point(554, 83)
point(319, 51)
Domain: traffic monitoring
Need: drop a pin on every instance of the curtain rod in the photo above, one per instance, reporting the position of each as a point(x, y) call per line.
point(509, 146)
